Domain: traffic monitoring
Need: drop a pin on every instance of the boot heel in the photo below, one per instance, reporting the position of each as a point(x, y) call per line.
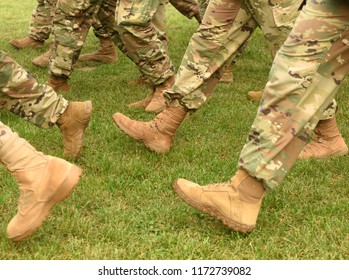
point(68, 185)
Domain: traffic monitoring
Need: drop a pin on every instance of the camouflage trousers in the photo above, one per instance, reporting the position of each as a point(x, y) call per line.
point(225, 28)
point(72, 21)
point(141, 36)
point(306, 73)
point(220, 39)
point(22, 95)
point(137, 35)
point(42, 20)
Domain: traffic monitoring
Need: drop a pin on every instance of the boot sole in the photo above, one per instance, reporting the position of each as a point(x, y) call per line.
point(334, 154)
point(212, 212)
point(65, 189)
point(149, 144)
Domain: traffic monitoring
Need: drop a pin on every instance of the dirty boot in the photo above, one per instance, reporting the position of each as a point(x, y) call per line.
point(158, 101)
point(42, 61)
point(235, 203)
point(327, 142)
point(58, 84)
point(43, 182)
point(106, 52)
point(157, 135)
point(26, 42)
point(255, 95)
point(73, 123)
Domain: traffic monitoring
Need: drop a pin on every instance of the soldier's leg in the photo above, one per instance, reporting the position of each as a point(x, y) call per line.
point(302, 82)
point(40, 26)
point(72, 22)
point(155, 97)
point(227, 70)
point(276, 20)
point(143, 41)
point(216, 41)
point(106, 52)
point(40, 105)
point(43, 182)
point(307, 71)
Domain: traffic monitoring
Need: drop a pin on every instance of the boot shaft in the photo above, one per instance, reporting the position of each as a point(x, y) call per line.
point(17, 154)
point(327, 129)
point(58, 83)
point(170, 119)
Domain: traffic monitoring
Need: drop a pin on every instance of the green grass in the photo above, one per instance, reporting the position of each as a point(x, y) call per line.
point(124, 206)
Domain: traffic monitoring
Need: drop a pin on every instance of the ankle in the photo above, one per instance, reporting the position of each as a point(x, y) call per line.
point(250, 189)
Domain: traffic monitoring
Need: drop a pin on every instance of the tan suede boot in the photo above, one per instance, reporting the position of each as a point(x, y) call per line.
point(327, 142)
point(43, 182)
point(235, 203)
point(157, 134)
point(158, 101)
point(58, 83)
point(73, 124)
point(106, 52)
point(42, 61)
point(255, 95)
point(26, 42)
point(227, 76)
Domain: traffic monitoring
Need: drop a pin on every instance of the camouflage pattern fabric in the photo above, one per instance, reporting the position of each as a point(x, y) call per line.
point(141, 36)
point(41, 22)
point(219, 38)
point(188, 8)
point(276, 19)
point(72, 21)
point(306, 73)
point(22, 95)
point(143, 40)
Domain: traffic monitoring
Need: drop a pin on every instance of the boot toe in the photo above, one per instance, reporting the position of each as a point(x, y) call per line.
point(189, 191)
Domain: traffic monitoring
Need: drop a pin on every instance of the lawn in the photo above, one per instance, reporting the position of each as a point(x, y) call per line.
point(124, 207)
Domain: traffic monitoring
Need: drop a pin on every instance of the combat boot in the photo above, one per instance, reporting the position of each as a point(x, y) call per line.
point(327, 141)
point(26, 42)
point(235, 203)
point(157, 135)
point(158, 101)
point(73, 123)
point(42, 61)
point(58, 83)
point(106, 52)
point(43, 182)
point(255, 95)
point(227, 76)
